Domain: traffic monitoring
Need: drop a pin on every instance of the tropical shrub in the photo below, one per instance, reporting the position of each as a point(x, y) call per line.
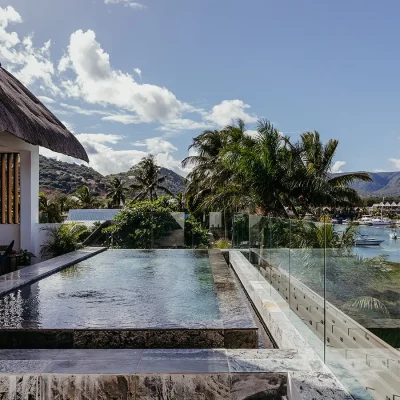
point(196, 236)
point(24, 257)
point(62, 239)
point(140, 223)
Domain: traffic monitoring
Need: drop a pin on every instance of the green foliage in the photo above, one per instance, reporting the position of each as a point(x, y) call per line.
point(49, 210)
point(24, 257)
point(86, 198)
point(148, 179)
point(116, 193)
point(140, 223)
point(267, 173)
point(222, 243)
point(196, 236)
point(63, 239)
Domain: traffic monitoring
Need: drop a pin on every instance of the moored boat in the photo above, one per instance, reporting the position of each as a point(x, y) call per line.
point(364, 240)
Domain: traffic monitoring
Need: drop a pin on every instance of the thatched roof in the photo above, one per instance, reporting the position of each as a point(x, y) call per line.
point(25, 117)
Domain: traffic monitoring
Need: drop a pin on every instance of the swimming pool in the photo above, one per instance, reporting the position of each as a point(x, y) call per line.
point(130, 298)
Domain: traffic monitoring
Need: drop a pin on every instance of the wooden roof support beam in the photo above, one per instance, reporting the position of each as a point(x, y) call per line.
point(16, 188)
point(3, 187)
point(9, 188)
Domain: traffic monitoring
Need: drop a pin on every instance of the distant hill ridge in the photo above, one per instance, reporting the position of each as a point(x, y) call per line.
point(66, 178)
point(384, 184)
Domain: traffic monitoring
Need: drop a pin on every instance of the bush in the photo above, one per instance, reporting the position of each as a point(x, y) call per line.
point(142, 222)
point(195, 235)
point(62, 239)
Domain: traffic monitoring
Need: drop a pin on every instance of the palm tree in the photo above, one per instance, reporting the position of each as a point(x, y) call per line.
point(210, 172)
point(49, 211)
point(117, 192)
point(147, 176)
point(267, 173)
point(315, 183)
point(86, 198)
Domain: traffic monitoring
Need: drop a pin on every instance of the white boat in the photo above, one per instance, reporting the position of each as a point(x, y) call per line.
point(393, 235)
point(364, 240)
point(381, 221)
point(365, 220)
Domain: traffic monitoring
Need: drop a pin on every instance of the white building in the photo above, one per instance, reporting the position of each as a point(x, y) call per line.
point(25, 124)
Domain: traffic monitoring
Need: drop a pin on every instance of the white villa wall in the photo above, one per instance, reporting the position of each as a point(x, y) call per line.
point(29, 187)
point(9, 232)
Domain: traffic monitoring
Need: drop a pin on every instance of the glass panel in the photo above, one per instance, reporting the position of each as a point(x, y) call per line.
point(279, 260)
point(307, 281)
point(221, 228)
point(363, 309)
point(240, 239)
point(197, 234)
point(168, 230)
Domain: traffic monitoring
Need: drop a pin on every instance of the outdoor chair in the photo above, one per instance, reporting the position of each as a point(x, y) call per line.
point(8, 252)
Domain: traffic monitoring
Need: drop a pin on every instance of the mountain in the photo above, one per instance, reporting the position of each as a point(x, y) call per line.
point(67, 178)
point(384, 184)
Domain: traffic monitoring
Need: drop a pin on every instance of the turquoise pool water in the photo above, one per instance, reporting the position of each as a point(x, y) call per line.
point(118, 289)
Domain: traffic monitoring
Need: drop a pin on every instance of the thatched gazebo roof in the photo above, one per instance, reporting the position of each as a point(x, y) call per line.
point(24, 116)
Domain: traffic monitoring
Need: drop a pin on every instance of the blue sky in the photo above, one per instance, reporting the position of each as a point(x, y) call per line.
point(130, 78)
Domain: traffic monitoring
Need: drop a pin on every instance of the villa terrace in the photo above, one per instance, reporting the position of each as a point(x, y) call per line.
point(173, 321)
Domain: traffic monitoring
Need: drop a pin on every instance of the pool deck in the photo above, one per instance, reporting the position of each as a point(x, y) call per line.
point(234, 329)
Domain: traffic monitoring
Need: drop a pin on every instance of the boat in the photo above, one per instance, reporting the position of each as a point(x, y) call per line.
point(364, 240)
point(365, 220)
point(393, 235)
point(381, 221)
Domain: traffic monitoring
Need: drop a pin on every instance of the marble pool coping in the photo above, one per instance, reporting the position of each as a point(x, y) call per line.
point(163, 373)
point(235, 328)
point(33, 273)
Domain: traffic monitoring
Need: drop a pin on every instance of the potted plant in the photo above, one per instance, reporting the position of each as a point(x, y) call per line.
point(24, 257)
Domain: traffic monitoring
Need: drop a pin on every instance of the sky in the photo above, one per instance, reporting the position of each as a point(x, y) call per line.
point(131, 78)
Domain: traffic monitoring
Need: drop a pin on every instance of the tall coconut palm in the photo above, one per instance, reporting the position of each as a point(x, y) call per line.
point(210, 173)
point(148, 179)
point(261, 167)
point(268, 172)
point(86, 198)
point(117, 192)
point(315, 182)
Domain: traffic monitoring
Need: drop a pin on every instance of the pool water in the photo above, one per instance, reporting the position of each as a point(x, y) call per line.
point(119, 289)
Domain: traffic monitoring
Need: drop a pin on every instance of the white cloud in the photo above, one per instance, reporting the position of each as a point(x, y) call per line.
point(64, 63)
point(126, 3)
point(8, 15)
point(45, 99)
point(167, 161)
point(83, 111)
point(337, 167)
point(69, 126)
point(156, 145)
point(181, 124)
point(252, 133)
point(99, 137)
point(123, 119)
point(379, 170)
point(138, 71)
point(97, 83)
point(228, 111)
point(108, 160)
point(28, 63)
point(395, 162)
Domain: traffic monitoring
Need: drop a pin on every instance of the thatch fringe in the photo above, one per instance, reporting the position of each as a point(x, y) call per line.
point(24, 116)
